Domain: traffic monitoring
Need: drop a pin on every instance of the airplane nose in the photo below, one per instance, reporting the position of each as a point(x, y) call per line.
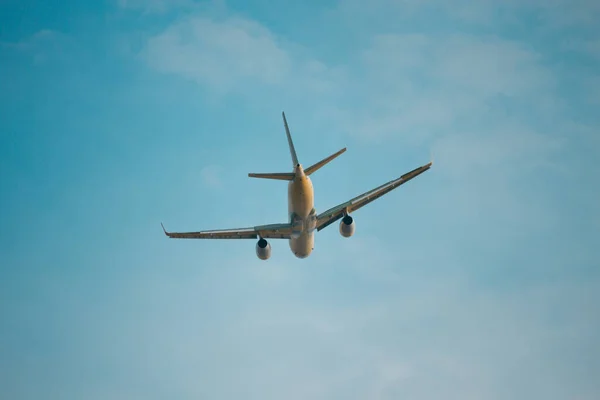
point(303, 253)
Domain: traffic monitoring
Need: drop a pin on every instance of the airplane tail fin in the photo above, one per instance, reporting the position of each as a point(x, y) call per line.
point(289, 176)
point(290, 143)
point(324, 161)
point(282, 176)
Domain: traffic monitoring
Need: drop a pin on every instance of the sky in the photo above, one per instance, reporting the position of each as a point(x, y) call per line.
point(477, 280)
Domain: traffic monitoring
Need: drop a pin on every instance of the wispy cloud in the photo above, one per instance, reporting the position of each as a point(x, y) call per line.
point(156, 6)
point(233, 54)
point(26, 43)
point(219, 54)
point(587, 47)
point(43, 45)
point(469, 341)
point(477, 280)
point(550, 14)
point(420, 83)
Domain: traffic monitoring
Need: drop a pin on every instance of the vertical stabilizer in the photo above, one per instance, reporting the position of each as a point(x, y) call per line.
point(290, 143)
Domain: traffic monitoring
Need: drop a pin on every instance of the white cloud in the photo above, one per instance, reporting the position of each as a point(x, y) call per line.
point(219, 54)
point(422, 82)
point(235, 54)
point(489, 65)
point(155, 6)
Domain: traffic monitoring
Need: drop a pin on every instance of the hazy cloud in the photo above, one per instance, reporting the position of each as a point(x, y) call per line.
point(554, 14)
point(27, 43)
point(454, 292)
point(234, 54)
point(424, 84)
point(42, 46)
point(416, 338)
point(156, 6)
point(219, 54)
point(211, 176)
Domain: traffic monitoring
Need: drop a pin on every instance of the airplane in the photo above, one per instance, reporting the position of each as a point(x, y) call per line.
point(302, 216)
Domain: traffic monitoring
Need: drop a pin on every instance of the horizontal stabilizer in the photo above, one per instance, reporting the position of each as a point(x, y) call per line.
point(282, 176)
point(324, 161)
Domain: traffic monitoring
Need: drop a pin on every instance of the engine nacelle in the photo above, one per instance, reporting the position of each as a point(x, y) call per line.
point(347, 226)
point(263, 249)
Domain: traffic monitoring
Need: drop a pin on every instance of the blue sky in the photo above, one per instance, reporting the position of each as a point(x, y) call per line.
point(477, 280)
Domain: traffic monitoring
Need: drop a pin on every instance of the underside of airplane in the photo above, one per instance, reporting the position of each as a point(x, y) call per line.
point(303, 220)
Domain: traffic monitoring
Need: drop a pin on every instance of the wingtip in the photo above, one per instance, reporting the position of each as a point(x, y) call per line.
point(164, 230)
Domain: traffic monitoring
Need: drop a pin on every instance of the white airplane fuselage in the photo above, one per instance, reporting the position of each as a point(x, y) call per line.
point(302, 213)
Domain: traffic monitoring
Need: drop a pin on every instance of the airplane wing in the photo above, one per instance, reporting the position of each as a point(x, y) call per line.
point(274, 231)
point(333, 214)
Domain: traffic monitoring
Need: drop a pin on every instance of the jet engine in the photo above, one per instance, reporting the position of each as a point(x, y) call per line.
point(347, 226)
point(263, 249)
